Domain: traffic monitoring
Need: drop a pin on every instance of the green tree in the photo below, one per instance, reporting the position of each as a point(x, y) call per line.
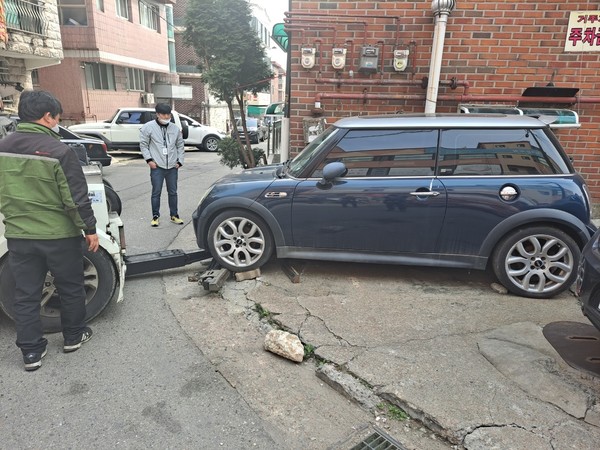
point(232, 57)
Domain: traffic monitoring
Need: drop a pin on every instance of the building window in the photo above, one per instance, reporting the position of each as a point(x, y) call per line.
point(100, 5)
point(123, 8)
point(35, 77)
point(100, 76)
point(149, 15)
point(72, 12)
point(135, 79)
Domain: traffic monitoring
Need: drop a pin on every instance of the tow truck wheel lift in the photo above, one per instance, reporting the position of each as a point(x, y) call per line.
point(212, 279)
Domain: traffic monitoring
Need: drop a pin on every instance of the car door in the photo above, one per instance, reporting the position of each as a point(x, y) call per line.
point(478, 167)
point(389, 200)
point(195, 130)
point(127, 127)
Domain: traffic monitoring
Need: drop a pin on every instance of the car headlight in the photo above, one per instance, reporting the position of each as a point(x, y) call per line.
point(206, 194)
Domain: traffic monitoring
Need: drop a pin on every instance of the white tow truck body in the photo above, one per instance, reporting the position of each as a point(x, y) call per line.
point(104, 270)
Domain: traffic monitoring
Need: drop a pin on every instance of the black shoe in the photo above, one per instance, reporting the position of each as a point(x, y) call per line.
point(154, 221)
point(33, 361)
point(72, 345)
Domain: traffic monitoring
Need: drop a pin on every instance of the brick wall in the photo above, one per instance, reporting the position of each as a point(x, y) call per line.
point(498, 47)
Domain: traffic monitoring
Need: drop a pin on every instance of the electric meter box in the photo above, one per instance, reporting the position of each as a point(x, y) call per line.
point(369, 59)
point(338, 58)
point(308, 57)
point(400, 60)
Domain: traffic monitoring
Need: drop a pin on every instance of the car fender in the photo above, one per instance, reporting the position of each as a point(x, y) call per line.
point(239, 203)
point(532, 217)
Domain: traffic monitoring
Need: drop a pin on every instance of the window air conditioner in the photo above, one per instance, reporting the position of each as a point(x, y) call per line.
point(147, 98)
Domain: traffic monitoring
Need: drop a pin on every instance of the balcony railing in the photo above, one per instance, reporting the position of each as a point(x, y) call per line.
point(25, 16)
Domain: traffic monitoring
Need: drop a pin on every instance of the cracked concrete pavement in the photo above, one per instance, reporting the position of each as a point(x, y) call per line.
point(469, 365)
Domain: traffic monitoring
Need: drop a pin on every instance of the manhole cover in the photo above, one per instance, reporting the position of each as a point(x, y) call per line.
point(577, 343)
point(379, 441)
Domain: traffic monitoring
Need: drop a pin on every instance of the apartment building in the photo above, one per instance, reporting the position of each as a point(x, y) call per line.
point(29, 40)
point(115, 53)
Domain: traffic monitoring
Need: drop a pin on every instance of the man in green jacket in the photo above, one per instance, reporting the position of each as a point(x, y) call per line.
point(47, 213)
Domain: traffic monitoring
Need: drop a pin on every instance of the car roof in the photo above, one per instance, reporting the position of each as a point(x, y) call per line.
point(457, 120)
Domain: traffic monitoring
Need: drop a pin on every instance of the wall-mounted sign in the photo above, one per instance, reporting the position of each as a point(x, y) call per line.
point(583, 32)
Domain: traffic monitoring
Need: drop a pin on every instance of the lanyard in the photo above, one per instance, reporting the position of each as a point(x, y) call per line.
point(165, 139)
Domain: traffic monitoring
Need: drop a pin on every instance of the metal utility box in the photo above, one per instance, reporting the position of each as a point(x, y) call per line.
point(369, 58)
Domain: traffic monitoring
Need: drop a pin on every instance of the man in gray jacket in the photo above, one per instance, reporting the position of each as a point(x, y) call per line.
point(161, 143)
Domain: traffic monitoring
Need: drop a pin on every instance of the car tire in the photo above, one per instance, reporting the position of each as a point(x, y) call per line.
point(239, 240)
point(100, 286)
point(113, 200)
point(536, 262)
point(210, 143)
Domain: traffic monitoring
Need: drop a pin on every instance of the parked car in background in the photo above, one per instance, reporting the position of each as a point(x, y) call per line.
point(257, 130)
point(460, 191)
point(95, 148)
point(588, 281)
point(122, 131)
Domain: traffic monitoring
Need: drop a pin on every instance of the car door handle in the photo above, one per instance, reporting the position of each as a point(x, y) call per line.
point(425, 194)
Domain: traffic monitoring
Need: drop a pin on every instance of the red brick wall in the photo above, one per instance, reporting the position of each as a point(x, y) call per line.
point(499, 47)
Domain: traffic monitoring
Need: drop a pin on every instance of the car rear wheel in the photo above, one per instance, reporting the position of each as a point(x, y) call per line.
point(240, 240)
point(100, 280)
point(210, 143)
point(536, 262)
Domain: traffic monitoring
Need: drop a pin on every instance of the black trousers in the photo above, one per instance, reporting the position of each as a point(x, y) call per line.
point(30, 260)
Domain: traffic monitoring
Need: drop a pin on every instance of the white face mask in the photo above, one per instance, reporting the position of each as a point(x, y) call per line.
point(55, 128)
point(164, 121)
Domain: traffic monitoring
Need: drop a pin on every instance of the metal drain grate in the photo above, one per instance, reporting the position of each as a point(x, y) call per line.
point(379, 441)
point(577, 343)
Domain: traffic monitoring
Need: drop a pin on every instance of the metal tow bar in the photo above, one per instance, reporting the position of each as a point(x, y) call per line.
point(161, 260)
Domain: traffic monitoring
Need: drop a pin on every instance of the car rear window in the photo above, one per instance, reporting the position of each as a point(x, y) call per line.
point(498, 152)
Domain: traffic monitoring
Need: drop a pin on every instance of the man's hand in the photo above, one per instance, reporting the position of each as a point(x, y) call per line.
point(152, 165)
point(92, 242)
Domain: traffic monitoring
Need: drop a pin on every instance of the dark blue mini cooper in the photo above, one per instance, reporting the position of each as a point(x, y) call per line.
point(462, 191)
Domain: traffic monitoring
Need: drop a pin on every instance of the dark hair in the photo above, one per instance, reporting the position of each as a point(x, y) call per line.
point(34, 104)
point(162, 108)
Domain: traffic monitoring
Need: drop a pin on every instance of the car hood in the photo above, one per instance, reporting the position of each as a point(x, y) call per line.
point(248, 128)
point(88, 126)
point(262, 173)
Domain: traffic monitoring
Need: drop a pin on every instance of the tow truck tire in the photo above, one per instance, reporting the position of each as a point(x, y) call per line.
point(100, 284)
point(112, 199)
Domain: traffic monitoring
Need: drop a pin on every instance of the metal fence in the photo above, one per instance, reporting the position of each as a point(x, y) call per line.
point(25, 16)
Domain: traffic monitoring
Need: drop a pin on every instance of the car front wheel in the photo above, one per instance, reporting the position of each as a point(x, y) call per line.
point(536, 262)
point(210, 143)
point(240, 240)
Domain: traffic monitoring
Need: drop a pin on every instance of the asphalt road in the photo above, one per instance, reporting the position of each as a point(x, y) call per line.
point(140, 382)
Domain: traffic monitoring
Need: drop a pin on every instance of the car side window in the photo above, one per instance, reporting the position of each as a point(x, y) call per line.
point(384, 153)
point(133, 117)
point(492, 152)
point(147, 116)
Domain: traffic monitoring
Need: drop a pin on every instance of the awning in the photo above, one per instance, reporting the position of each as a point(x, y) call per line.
point(280, 36)
point(255, 111)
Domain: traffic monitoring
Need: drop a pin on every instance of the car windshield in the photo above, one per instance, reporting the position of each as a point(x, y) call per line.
point(249, 123)
point(306, 156)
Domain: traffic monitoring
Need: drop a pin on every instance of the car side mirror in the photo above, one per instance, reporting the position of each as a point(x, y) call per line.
point(332, 171)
